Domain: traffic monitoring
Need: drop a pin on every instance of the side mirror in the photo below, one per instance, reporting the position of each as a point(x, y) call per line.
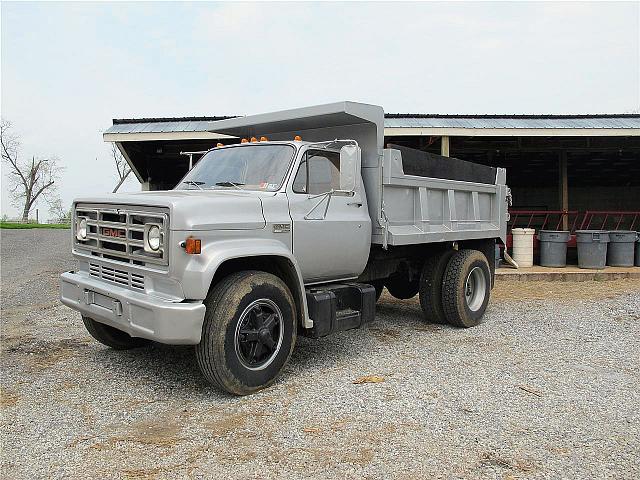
point(349, 167)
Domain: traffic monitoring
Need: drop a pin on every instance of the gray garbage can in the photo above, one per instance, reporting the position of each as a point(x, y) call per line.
point(553, 247)
point(621, 248)
point(592, 248)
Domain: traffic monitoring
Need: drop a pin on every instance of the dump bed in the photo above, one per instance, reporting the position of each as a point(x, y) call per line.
point(429, 198)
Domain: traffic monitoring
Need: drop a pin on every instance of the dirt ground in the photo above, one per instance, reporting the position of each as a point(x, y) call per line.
point(548, 386)
point(537, 290)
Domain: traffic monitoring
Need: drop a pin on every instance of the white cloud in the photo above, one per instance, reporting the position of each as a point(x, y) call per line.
point(68, 69)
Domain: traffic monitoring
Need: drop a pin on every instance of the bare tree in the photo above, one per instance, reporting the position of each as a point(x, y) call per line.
point(59, 212)
point(122, 166)
point(28, 180)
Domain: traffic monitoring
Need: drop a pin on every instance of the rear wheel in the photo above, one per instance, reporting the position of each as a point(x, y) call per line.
point(249, 332)
point(112, 337)
point(466, 288)
point(379, 286)
point(401, 287)
point(431, 286)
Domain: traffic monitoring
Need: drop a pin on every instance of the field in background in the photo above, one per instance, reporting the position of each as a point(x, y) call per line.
point(15, 225)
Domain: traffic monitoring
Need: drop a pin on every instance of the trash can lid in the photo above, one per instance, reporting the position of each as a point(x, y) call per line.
point(589, 236)
point(523, 231)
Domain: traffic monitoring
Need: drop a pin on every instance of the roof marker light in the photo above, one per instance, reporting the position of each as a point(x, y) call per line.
point(264, 139)
point(244, 140)
point(297, 138)
point(220, 145)
point(254, 139)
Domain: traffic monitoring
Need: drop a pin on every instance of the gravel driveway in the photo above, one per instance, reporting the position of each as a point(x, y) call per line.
point(547, 387)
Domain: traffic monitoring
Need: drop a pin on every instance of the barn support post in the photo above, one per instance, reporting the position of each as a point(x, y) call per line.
point(444, 147)
point(564, 188)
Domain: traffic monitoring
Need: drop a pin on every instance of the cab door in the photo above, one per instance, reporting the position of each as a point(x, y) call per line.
point(331, 231)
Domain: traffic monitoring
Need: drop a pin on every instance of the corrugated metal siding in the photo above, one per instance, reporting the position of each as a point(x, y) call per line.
point(513, 122)
point(409, 121)
point(160, 127)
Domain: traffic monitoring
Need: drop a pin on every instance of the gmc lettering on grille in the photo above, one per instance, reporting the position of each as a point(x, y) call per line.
point(114, 232)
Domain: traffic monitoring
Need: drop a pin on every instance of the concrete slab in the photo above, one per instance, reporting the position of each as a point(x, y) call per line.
point(566, 274)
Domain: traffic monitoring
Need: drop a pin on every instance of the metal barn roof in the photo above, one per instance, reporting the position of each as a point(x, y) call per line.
point(405, 125)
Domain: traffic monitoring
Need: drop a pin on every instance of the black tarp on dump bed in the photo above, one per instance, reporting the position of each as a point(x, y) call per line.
point(424, 164)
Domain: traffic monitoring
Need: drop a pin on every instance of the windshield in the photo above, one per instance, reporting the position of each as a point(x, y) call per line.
point(251, 167)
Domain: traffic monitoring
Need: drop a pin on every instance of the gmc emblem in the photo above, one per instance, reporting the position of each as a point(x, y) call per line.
point(114, 232)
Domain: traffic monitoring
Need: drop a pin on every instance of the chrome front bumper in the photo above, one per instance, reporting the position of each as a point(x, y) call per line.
point(138, 314)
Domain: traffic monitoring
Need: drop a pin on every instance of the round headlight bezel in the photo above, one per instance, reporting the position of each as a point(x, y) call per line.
point(81, 228)
point(153, 239)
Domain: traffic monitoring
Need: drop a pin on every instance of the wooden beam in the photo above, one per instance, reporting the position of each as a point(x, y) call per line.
point(444, 148)
point(564, 188)
point(509, 132)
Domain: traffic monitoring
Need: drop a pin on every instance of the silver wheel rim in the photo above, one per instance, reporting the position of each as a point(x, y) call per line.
point(247, 324)
point(475, 289)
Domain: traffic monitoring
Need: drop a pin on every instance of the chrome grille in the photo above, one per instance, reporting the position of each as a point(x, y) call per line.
point(121, 277)
point(118, 233)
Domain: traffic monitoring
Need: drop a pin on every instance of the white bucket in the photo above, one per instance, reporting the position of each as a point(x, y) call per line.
point(523, 246)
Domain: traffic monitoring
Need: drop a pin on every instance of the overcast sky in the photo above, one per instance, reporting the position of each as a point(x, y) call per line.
point(69, 68)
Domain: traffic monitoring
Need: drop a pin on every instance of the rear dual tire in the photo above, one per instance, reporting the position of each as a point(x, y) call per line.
point(431, 286)
point(455, 288)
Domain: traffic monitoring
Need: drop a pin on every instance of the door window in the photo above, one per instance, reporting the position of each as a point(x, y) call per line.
point(319, 172)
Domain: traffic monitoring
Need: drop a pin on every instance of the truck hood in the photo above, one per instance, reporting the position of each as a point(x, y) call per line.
point(195, 209)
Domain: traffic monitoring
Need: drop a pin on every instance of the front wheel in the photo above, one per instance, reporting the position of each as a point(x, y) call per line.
point(465, 288)
point(112, 337)
point(248, 333)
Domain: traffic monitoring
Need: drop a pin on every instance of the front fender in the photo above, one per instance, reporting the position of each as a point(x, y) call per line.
point(200, 269)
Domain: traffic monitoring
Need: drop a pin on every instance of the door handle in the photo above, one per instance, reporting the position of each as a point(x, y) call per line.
point(356, 204)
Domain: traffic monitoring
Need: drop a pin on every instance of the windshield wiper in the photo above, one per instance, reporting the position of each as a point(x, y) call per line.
point(229, 184)
point(194, 183)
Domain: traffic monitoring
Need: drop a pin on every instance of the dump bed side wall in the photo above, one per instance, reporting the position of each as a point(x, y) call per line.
point(414, 209)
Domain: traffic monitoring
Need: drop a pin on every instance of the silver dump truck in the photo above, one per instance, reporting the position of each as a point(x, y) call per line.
point(294, 231)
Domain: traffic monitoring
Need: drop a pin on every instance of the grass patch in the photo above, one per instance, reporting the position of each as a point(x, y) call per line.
point(16, 225)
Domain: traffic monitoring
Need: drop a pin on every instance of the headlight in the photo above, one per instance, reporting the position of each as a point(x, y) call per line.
point(81, 228)
point(152, 240)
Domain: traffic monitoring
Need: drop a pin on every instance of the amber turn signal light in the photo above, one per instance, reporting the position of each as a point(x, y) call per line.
point(193, 246)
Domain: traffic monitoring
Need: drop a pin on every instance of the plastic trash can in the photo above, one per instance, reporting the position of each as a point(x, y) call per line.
point(592, 248)
point(523, 246)
point(553, 247)
point(622, 244)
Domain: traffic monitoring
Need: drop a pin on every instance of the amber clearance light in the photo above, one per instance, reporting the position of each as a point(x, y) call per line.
point(193, 246)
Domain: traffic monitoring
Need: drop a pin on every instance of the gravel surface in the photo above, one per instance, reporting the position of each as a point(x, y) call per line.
point(547, 387)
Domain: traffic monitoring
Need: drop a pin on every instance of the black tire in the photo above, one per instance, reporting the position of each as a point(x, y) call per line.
point(401, 288)
point(466, 287)
point(431, 286)
point(112, 337)
point(379, 286)
point(227, 355)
